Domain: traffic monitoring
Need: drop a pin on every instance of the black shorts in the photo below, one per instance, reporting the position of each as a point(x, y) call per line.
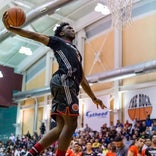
point(64, 93)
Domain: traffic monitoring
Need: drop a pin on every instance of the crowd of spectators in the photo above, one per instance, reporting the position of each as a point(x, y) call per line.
point(86, 141)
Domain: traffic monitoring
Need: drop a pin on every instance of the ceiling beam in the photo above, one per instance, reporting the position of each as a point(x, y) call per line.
point(36, 13)
point(61, 18)
point(26, 63)
point(4, 2)
point(24, 4)
point(88, 20)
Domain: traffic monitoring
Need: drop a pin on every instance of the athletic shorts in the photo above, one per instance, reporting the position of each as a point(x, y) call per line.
point(64, 93)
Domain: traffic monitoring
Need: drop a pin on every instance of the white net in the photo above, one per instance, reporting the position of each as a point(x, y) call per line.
point(121, 11)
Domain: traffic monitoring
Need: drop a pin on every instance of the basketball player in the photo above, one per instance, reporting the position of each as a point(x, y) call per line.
point(64, 85)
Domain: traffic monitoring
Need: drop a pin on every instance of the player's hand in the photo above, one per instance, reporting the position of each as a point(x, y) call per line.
point(5, 20)
point(98, 103)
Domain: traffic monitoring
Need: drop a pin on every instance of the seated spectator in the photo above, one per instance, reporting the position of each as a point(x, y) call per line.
point(105, 150)
point(88, 151)
point(151, 151)
point(77, 151)
point(119, 124)
point(70, 148)
point(96, 144)
point(111, 150)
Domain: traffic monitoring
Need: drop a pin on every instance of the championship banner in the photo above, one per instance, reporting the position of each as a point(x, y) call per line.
point(140, 103)
point(95, 118)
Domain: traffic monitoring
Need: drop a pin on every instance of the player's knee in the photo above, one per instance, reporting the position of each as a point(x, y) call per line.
point(73, 125)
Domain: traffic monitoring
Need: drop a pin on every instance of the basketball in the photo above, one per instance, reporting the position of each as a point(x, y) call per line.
point(16, 16)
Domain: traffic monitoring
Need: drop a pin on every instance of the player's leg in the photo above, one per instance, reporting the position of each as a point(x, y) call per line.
point(53, 134)
point(48, 138)
point(66, 134)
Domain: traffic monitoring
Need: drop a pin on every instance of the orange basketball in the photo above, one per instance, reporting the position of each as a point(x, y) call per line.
point(16, 16)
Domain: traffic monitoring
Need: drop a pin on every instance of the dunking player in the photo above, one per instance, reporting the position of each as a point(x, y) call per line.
point(64, 85)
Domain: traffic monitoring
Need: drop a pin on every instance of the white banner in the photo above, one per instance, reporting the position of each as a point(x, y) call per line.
point(92, 116)
point(138, 104)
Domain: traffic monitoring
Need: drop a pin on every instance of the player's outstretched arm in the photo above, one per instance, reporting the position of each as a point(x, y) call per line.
point(87, 89)
point(24, 33)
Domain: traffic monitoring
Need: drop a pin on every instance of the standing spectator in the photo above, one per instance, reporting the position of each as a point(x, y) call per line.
point(134, 150)
point(119, 124)
point(42, 128)
point(53, 123)
point(142, 127)
point(147, 144)
point(121, 149)
point(12, 137)
point(111, 124)
point(148, 121)
point(154, 126)
point(151, 151)
point(127, 124)
point(87, 128)
point(134, 123)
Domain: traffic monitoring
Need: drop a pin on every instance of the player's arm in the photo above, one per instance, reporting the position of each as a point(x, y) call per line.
point(87, 89)
point(24, 33)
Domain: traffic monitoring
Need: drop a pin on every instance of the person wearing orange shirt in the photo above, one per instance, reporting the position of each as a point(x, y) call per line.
point(75, 151)
point(135, 149)
point(111, 150)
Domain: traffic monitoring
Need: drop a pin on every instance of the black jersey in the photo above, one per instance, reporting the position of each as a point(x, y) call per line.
point(150, 151)
point(68, 58)
point(89, 154)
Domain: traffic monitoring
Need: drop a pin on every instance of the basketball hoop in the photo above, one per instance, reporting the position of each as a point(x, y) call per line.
point(121, 11)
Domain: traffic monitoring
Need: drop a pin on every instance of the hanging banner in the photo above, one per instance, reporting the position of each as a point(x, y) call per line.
point(95, 118)
point(139, 104)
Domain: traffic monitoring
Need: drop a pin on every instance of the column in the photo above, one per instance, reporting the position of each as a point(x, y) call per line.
point(117, 64)
point(35, 114)
point(18, 125)
point(80, 41)
point(47, 106)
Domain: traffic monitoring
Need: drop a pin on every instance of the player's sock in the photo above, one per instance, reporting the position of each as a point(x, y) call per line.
point(36, 149)
point(60, 153)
